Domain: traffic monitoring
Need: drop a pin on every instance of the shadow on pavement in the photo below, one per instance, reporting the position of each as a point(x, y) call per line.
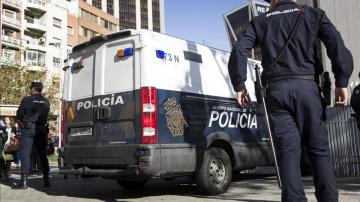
point(109, 190)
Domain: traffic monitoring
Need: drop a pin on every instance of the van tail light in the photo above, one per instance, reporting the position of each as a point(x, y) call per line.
point(63, 119)
point(149, 129)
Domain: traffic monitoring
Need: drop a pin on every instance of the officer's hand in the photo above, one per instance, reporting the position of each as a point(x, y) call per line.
point(243, 98)
point(341, 97)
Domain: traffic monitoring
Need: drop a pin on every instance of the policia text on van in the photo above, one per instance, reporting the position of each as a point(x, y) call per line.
point(140, 105)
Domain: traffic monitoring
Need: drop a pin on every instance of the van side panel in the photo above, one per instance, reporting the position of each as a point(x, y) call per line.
point(196, 105)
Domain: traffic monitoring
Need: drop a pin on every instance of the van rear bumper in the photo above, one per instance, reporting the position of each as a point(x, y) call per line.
point(123, 161)
point(99, 172)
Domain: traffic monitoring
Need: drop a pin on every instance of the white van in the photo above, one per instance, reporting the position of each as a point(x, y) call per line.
point(140, 105)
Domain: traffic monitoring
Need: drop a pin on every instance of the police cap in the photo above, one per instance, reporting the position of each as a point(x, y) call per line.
point(38, 85)
point(267, 1)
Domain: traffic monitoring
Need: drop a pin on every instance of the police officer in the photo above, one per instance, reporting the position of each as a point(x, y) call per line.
point(292, 95)
point(33, 114)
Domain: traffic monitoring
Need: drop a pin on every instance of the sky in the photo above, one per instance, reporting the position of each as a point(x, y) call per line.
point(200, 21)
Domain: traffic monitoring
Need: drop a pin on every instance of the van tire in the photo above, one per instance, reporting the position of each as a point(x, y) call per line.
point(215, 174)
point(132, 185)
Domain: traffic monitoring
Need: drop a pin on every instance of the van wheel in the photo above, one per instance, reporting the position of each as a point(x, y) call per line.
point(132, 185)
point(215, 174)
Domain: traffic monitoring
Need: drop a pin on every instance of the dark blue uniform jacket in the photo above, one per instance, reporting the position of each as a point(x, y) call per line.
point(34, 108)
point(271, 30)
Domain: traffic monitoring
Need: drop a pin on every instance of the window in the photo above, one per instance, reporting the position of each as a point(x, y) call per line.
point(89, 16)
point(108, 25)
point(110, 7)
point(87, 32)
point(35, 58)
point(8, 55)
point(56, 42)
point(97, 3)
point(56, 22)
point(56, 62)
point(70, 30)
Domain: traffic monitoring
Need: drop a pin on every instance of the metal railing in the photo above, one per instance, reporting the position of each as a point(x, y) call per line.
point(10, 20)
point(35, 63)
point(14, 2)
point(36, 42)
point(35, 22)
point(39, 2)
point(344, 140)
point(10, 39)
point(344, 143)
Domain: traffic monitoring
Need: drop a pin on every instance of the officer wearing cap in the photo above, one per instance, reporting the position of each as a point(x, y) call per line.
point(292, 94)
point(33, 115)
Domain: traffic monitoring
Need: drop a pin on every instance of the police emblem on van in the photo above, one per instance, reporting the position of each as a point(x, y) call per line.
point(174, 117)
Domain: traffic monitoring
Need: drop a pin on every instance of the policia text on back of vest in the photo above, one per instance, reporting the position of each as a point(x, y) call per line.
point(140, 105)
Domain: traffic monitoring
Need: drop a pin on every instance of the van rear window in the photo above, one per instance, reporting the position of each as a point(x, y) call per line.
point(194, 57)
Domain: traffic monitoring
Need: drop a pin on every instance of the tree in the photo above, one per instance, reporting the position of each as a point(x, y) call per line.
point(15, 83)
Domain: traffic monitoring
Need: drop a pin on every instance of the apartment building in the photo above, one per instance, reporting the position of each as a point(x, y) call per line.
point(87, 19)
point(142, 14)
point(11, 30)
point(33, 34)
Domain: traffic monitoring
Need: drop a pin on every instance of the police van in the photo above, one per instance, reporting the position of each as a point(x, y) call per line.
point(139, 105)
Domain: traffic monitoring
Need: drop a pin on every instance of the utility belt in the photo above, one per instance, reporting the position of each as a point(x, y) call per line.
point(28, 124)
point(267, 81)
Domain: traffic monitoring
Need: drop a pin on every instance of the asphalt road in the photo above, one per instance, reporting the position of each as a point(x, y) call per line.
point(182, 189)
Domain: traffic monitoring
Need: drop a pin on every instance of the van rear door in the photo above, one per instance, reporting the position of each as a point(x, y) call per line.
point(115, 94)
point(101, 103)
point(79, 90)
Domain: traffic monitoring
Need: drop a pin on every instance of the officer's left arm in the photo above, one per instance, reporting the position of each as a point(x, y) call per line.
point(238, 58)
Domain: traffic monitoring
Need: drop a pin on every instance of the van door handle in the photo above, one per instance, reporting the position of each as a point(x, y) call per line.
point(103, 113)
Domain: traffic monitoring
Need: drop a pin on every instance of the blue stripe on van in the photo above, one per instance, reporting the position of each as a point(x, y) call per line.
point(182, 118)
point(189, 118)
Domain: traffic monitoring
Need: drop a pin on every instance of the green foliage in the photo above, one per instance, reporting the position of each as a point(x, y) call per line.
point(15, 81)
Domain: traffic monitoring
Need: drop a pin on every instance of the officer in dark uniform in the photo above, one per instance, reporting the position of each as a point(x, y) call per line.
point(33, 115)
point(292, 95)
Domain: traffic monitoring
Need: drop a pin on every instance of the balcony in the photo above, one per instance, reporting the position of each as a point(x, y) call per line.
point(36, 25)
point(11, 22)
point(37, 5)
point(35, 65)
point(8, 60)
point(13, 4)
point(35, 44)
point(11, 41)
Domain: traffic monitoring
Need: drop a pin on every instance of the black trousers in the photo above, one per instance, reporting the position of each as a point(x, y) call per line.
point(295, 112)
point(34, 136)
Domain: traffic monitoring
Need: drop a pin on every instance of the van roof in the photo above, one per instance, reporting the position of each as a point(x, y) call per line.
point(125, 33)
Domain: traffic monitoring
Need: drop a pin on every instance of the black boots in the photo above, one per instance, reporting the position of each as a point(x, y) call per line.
point(22, 184)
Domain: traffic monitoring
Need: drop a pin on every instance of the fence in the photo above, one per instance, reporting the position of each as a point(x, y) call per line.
point(344, 142)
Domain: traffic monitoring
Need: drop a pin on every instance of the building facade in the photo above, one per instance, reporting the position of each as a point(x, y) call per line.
point(142, 14)
point(33, 34)
point(87, 19)
point(11, 31)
